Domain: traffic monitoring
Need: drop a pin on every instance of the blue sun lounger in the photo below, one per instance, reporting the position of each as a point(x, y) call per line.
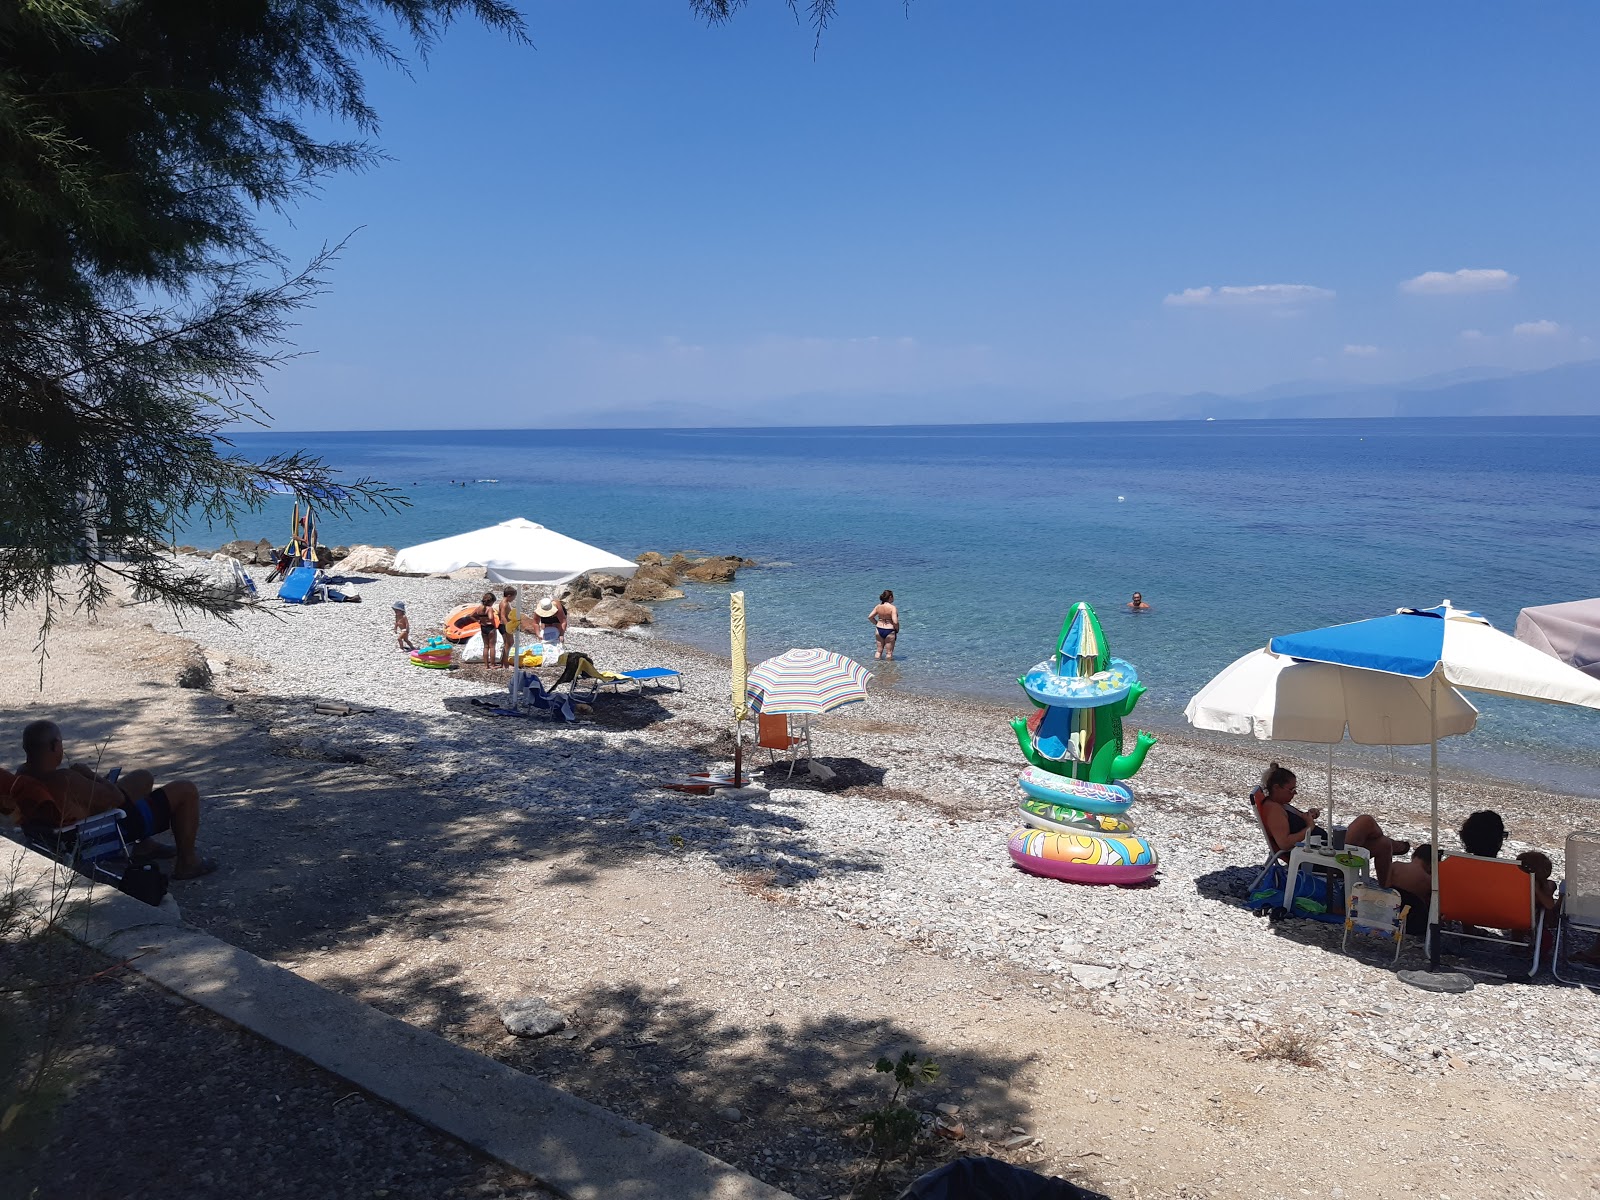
point(656, 676)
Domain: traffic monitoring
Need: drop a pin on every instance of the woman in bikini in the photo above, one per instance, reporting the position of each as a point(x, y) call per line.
point(1288, 825)
point(885, 617)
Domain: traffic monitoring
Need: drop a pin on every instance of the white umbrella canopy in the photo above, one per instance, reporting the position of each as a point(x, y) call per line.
point(1277, 699)
point(514, 551)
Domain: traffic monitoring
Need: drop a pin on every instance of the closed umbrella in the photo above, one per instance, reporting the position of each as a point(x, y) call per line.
point(807, 682)
point(1277, 699)
point(1445, 647)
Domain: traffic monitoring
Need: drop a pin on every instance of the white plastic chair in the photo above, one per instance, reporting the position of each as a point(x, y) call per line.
point(1580, 894)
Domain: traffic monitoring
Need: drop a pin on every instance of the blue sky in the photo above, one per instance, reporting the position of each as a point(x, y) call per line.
point(963, 211)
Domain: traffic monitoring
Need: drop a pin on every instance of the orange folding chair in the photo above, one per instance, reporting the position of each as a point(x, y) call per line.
point(1494, 893)
point(775, 733)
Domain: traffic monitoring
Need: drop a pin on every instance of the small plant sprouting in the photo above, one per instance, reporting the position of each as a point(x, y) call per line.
point(893, 1129)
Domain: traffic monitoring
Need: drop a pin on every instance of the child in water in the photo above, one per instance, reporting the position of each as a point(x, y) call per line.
point(402, 626)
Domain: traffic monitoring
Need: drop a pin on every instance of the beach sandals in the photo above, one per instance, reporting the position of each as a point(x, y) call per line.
point(202, 866)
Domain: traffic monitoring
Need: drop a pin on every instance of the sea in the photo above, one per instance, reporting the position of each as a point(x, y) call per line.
point(1234, 531)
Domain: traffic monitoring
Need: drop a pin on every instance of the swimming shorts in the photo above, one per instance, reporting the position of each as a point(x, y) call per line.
point(146, 817)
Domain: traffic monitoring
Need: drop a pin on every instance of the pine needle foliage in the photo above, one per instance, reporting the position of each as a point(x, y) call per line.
point(141, 143)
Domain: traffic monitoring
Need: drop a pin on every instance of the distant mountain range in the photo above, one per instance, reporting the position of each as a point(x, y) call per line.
point(1572, 389)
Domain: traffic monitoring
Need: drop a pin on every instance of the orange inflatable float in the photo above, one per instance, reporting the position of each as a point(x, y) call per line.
point(460, 625)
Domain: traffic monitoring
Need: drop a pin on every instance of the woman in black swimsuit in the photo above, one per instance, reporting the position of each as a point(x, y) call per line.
point(1288, 825)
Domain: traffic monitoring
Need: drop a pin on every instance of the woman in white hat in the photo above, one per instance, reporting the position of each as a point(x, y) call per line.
point(552, 615)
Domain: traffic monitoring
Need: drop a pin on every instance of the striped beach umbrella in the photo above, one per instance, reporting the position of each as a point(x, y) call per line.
point(807, 681)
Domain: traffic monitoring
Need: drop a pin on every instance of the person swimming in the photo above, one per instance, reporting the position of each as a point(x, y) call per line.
point(1137, 604)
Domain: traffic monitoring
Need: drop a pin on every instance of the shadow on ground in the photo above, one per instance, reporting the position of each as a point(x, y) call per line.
point(321, 849)
point(1486, 963)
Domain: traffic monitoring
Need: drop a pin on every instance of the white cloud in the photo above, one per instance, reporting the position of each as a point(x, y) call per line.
point(1473, 335)
point(1537, 329)
point(1464, 282)
point(1256, 295)
point(1355, 351)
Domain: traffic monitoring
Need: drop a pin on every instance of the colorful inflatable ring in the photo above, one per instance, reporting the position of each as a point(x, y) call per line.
point(1045, 687)
point(432, 663)
point(457, 628)
point(1110, 798)
point(1083, 857)
point(1069, 820)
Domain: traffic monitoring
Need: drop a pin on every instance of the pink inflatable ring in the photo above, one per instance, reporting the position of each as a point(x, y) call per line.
point(1083, 857)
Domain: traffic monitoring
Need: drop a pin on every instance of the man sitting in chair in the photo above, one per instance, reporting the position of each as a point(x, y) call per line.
point(76, 792)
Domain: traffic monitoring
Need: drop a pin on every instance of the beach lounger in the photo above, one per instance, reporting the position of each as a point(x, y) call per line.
point(1494, 893)
point(1580, 897)
point(776, 733)
point(1375, 910)
point(657, 676)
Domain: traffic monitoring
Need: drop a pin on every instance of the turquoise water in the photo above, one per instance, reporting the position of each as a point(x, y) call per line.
point(1234, 531)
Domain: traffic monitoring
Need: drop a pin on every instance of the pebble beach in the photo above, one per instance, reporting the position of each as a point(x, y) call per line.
point(909, 837)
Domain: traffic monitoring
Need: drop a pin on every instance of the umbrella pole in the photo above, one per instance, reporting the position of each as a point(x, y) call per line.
point(1330, 793)
point(1433, 803)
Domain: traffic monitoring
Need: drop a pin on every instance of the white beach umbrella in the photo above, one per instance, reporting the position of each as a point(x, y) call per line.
point(514, 551)
point(1444, 647)
point(1277, 699)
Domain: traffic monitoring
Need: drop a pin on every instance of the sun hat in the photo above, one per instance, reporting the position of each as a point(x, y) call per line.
point(399, 606)
point(546, 607)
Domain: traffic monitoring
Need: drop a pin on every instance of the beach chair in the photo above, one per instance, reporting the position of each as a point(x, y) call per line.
point(656, 676)
point(1274, 855)
point(776, 733)
point(1494, 893)
point(1374, 910)
point(1580, 897)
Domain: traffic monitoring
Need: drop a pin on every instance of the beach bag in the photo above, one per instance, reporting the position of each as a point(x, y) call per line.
point(144, 881)
point(978, 1178)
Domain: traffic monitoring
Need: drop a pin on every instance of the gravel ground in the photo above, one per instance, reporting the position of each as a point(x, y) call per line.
point(729, 969)
point(910, 838)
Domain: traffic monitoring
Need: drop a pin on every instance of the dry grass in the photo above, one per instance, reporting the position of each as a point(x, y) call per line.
point(1297, 1047)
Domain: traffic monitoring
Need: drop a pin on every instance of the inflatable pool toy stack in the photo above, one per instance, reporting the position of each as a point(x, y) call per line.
point(1074, 806)
point(435, 654)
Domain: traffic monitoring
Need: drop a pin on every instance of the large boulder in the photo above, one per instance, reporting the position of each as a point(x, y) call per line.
point(266, 553)
point(648, 588)
point(614, 612)
point(658, 571)
point(368, 560)
point(714, 570)
point(607, 585)
point(649, 559)
point(468, 574)
point(577, 606)
point(242, 551)
point(221, 579)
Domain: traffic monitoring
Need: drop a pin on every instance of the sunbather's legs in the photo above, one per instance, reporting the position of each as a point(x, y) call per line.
point(136, 785)
point(1366, 833)
point(184, 799)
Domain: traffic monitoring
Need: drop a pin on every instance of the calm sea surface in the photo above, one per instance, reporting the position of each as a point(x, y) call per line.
point(1235, 531)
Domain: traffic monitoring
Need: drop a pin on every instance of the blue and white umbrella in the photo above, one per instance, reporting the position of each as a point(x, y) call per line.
point(1446, 646)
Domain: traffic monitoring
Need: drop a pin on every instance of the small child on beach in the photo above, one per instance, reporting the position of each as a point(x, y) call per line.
point(402, 626)
point(1541, 868)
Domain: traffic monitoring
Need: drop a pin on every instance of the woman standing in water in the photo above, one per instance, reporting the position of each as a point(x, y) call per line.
point(885, 617)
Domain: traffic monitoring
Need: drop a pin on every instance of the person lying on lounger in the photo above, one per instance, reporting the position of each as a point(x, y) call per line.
point(1288, 825)
point(76, 792)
